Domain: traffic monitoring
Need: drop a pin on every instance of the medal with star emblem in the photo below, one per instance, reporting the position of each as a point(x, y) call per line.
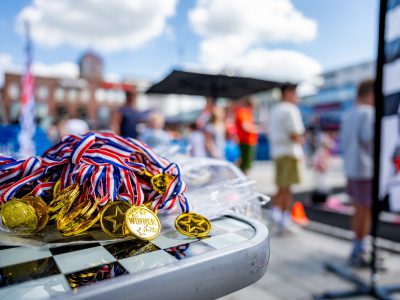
point(160, 182)
point(112, 219)
point(193, 225)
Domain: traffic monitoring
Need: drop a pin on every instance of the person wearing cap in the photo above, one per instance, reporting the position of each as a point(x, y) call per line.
point(286, 130)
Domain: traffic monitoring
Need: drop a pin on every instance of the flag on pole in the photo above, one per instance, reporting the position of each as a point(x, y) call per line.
point(27, 112)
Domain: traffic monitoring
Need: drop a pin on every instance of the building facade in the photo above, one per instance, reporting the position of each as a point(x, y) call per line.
point(88, 97)
point(337, 94)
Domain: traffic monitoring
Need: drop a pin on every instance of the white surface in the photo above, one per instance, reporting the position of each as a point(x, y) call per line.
point(83, 259)
point(41, 288)
point(230, 225)
point(171, 239)
point(392, 24)
point(225, 240)
point(13, 256)
point(146, 261)
point(389, 138)
point(391, 78)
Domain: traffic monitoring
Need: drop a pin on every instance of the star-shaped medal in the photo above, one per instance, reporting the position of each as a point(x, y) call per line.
point(193, 225)
point(112, 218)
point(118, 215)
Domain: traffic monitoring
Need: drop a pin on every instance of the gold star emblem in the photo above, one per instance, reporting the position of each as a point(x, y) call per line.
point(193, 225)
point(160, 182)
point(112, 218)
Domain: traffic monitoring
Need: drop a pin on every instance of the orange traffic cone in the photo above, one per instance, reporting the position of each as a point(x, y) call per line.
point(298, 214)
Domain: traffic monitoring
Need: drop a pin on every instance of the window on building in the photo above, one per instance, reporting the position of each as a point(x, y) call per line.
point(111, 96)
point(103, 114)
point(72, 95)
point(42, 92)
point(100, 95)
point(14, 111)
point(42, 110)
point(120, 98)
point(85, 95)
point(59, 94)
point(14, 91)
point(82, 113)
point(61, 112)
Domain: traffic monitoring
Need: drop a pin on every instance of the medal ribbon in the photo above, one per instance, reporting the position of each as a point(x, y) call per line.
point(105, 165)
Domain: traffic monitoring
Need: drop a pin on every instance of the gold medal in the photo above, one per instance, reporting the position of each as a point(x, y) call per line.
point(160, 182)
point(19, 216)
point(62, 203)
point(147, 174)
point(112, 218)
point(56, 188)
point(142, 222)
point(193, 225)
point(82, 227)
point(72, 217)
point(79, 219)
point(40, 208)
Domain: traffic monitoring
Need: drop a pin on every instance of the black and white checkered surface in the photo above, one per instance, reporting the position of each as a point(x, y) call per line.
point(36, 273)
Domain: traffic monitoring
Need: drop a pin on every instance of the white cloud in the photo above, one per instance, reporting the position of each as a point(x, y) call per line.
point(65, 69)
point(104, 25)
point(229, 27)
point(234, 34)
point(62, 69)
point(280, 65)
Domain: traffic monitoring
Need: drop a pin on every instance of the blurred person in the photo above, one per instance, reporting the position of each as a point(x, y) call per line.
point(311, 143)
point(214, 134)
point(125, 120)
point(320, 165)
point(154, 135)
point(357, 139)
point(230, 122)
point(247, 132)
point(53, 133)
point(205, 114)
point(232, 150)
point(286, 137)
point(197, 141)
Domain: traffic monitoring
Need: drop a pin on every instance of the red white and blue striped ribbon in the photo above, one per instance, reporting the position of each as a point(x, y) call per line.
point(106, 166)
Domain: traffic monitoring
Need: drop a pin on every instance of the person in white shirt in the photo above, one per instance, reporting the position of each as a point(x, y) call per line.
point(286, 130)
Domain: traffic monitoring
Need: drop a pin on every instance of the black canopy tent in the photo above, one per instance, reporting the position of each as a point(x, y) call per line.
point(209, 85)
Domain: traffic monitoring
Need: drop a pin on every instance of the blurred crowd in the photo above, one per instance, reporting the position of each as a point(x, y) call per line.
point(223, 132)
point(226, 131)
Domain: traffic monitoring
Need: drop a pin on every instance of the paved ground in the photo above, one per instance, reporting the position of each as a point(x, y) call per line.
point(296, 269)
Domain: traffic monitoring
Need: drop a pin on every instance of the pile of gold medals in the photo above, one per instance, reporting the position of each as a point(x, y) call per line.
point(73, 209)
point(28, 215)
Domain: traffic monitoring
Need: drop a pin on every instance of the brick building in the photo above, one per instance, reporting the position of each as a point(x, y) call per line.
point(88, 97)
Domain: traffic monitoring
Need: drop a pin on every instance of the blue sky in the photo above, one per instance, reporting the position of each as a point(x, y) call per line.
point(346, 34)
